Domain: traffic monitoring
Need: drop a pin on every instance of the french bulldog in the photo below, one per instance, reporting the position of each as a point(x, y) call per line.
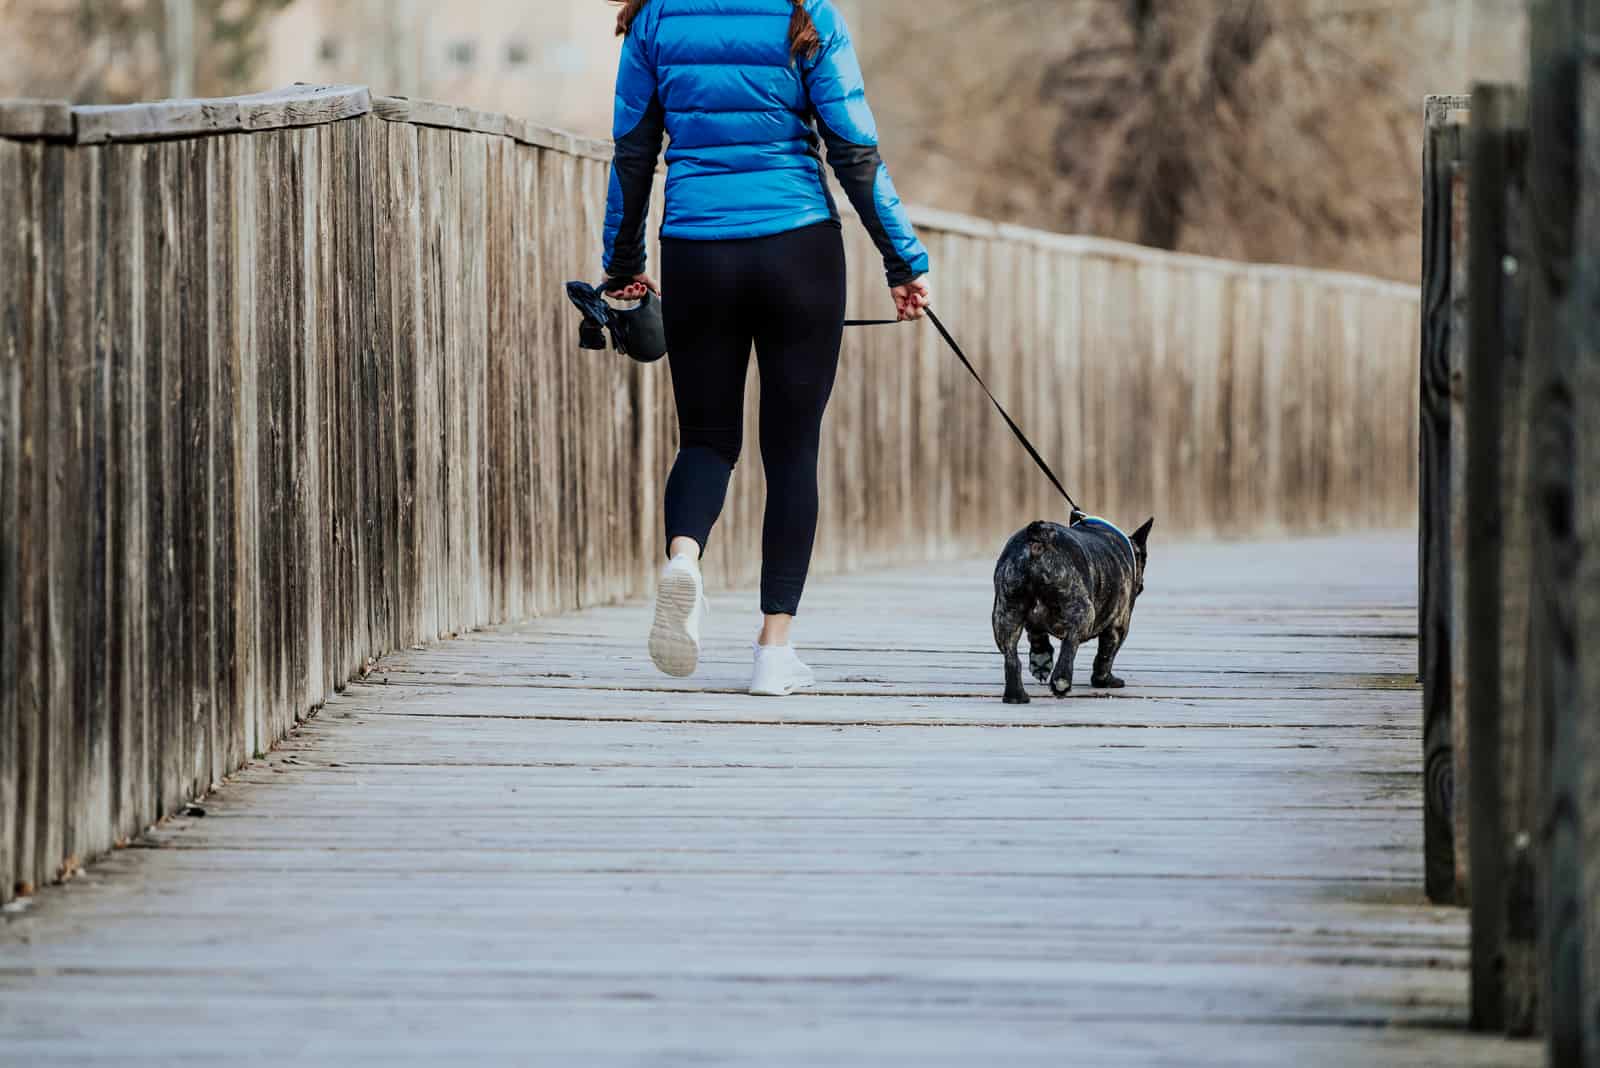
point(1072, 584)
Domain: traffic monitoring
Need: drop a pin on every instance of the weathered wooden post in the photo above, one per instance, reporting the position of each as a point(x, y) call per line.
point(1459, 515)
point(1441, 193)
point(1494, 378)
point(1586, 322)
point(1552, 753)
point(13, 282)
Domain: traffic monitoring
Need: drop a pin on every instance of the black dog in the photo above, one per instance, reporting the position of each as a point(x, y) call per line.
point(1070, 583)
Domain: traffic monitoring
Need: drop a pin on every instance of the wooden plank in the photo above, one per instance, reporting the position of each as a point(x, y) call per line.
point(246, 253)
point(341, 403)
point(563, 141)
point(473, 328)
point(275, 201)
point(1441, 154)
point(499, 519)
point(558, 194)
point(144, 453)
point(136, 576)
point(525, 328)
point(401, 221)
point(88, 306)
point(433, 149)
point(586, 471)
point(279, 109)
point(15, 268)
point(383, 524)
point(325, 601)
point(61, 504)
point(451, 565)
point(552, 334)
point(33, 287)
point(303, 105)
point(219, 681)
point(199, 483)
point(435, 113)
point(168, 620)
point(101, 123)
point(1494, 375)
point(42, 120)
point(303, 398)
point(370, 627)
point(121, 255)
point(454, 378)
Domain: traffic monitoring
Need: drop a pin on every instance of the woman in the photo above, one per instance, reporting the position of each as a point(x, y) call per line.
point(752, 252)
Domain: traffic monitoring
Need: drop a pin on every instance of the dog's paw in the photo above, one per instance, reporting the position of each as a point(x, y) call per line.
point(1017, 697)
point(1107, 682)
point(1041, 666)
point(1061, 687)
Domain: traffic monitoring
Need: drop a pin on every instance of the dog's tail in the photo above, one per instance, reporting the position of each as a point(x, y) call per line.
point(1038, 535)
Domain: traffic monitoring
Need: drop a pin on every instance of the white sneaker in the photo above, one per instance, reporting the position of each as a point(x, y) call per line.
point(779, 672)
point(680, 604)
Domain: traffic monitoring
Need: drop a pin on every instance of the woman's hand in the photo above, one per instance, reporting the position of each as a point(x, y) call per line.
point(635, 290)
point(911, 298)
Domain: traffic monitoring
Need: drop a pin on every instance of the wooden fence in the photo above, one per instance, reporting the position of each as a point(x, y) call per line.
point(289, 381)
point(1511, 573)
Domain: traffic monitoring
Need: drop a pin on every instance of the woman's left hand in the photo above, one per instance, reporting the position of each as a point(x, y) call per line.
point(642, 283)
point(912, 299)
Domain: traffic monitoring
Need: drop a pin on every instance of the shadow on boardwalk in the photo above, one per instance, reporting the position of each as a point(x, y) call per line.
point(524, 846)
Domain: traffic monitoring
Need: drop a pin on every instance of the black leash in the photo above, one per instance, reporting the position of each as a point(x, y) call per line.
point(973, 371)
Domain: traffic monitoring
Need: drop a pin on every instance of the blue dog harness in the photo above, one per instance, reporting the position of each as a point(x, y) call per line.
point(1081, 520)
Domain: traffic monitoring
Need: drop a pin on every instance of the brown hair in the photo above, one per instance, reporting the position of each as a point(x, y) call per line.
point(804, 41)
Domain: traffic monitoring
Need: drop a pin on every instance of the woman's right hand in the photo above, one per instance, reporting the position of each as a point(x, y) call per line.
point(911, 298)
point(636, 289)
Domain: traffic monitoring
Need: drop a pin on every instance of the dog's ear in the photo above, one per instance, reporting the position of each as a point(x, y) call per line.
point(1142, 535)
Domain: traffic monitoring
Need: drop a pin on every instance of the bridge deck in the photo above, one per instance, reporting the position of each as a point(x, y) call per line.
point(525, 846)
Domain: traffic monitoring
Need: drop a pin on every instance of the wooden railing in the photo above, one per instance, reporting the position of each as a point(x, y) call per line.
point(289, 381)
point(1511, 522)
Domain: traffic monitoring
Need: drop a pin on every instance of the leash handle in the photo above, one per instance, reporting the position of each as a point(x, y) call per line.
point(973, 371)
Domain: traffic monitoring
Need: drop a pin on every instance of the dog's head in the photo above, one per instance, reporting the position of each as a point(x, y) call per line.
point(1141, 554)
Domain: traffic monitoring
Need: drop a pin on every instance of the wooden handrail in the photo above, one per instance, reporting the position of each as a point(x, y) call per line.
point(92, 124)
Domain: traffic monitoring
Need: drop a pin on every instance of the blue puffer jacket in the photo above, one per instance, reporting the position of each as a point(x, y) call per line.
point(745, 119)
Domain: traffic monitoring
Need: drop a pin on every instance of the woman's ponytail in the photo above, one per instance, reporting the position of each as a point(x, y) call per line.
point(625, 17)
point(804, 41)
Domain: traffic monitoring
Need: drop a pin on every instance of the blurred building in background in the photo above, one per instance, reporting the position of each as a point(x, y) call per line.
point(552, 60)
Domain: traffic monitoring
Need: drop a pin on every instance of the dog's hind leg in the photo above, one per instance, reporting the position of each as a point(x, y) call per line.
point(1110, 644)
point(1007, 633)
point(1041, 654)
point(1061, 679)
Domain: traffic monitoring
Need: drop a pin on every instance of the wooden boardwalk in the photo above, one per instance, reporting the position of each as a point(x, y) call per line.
point(525, 847)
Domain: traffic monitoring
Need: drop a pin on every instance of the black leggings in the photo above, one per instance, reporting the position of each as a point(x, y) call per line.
point(786, 294)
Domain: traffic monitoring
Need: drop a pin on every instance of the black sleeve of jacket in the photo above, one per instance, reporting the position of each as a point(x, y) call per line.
point(633, 169)
point(856, 167)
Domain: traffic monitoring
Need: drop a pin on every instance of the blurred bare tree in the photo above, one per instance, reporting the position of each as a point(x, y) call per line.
point(116, 51)
point(1266, 130)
